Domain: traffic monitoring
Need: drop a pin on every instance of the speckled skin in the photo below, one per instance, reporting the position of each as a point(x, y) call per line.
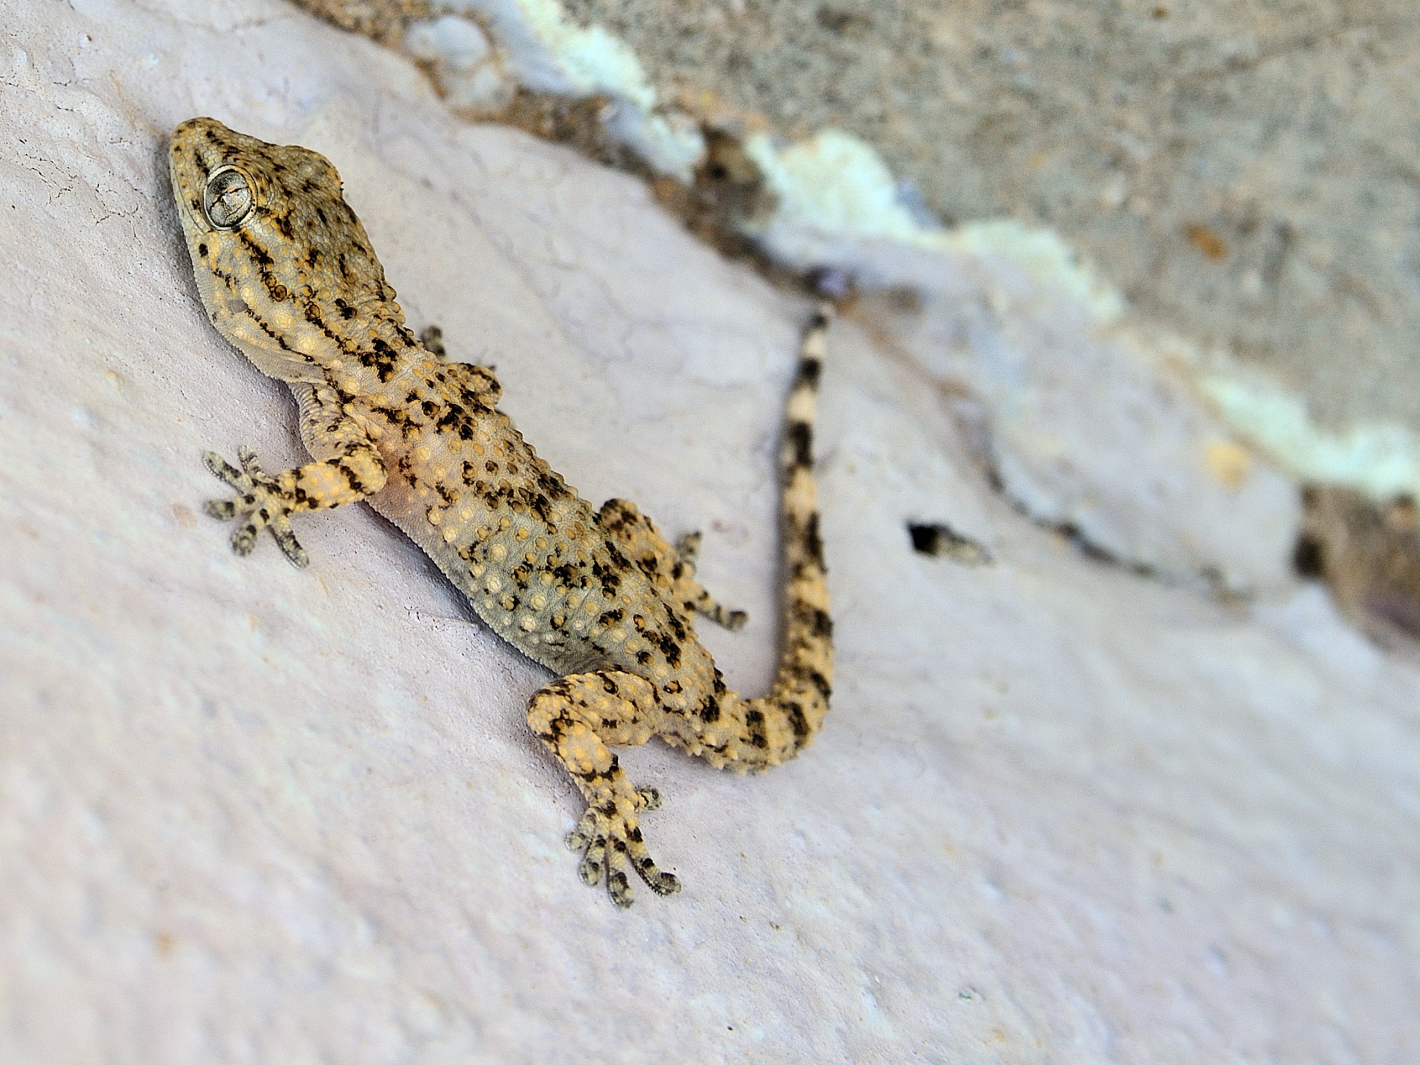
point(288, 275)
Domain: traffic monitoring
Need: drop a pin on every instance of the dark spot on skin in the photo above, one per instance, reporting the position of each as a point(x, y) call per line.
point(755, 720)
point(255, 250)
point(809, 373)
point(352, 479)
point(610, 582)
point(800, 437)
point(202, 250)
point(798, 723)
point(813, 543)
point(671, 650)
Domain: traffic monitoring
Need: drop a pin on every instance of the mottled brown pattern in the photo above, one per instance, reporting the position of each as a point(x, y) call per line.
point(288, 275)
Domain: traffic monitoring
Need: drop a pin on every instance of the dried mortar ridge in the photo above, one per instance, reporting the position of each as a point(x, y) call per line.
point(288, 275)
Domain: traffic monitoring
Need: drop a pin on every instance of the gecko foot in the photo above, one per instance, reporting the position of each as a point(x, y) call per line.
point(611, 840)
point(264, 504)
point(687, 549)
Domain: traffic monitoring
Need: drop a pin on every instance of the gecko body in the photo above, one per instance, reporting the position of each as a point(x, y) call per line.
point(288, 275)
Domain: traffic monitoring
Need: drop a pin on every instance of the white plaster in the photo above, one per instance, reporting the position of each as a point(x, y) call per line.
point(1382, 460)
point(463, 61)
point(251, 813)
point(832, 187)
point(550, 53)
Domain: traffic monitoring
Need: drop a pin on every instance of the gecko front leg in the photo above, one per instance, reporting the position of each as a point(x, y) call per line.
point(267, 502)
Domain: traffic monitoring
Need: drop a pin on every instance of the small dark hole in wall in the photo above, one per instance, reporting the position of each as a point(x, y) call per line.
point(1307, 557)
point(941, 541)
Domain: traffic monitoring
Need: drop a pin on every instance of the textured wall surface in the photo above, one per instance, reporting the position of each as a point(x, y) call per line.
point(1060, 812)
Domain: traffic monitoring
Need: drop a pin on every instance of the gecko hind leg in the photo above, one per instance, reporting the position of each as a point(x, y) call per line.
point(671, 569)
point(477, 380)
point(687, 549)
point(576, 717)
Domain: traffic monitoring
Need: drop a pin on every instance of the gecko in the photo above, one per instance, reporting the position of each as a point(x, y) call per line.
point(287, 274)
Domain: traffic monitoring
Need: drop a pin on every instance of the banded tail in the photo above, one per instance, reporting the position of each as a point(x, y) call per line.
point(793, 711)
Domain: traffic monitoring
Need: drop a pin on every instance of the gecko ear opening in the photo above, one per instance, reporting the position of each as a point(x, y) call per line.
point(227, 199)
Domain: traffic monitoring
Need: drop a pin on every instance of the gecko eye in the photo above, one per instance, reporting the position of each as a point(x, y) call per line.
point(227, 198)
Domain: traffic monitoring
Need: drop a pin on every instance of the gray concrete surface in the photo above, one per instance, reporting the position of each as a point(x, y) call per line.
point(1243, 170)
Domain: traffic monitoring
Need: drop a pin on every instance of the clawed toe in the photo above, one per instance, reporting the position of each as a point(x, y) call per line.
point(688, 548)
point(224, 471)
point(610, 842)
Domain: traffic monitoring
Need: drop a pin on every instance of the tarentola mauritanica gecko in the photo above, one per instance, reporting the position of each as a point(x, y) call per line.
point(288, 275)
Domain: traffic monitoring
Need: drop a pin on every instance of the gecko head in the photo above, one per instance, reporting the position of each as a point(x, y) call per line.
point(274, 245)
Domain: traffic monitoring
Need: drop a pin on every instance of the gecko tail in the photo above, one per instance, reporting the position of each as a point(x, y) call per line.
point(785, 721)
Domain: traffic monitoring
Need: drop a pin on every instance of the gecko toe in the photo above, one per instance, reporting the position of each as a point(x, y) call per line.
point(659, 882)
point(619, 888)
point(250, 466)
point(593, 864)
point(244, 539)
point(224, 471)
point(688, 549)
point(286, 540)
